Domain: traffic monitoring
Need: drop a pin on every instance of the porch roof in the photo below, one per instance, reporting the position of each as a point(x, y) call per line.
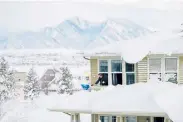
point(125, 113)
point(136, 99)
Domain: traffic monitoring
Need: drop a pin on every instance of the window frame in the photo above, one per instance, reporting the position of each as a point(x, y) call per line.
point(116, 72)
point(117, 116)
point(123, 71)
point(134, 72)
point(99, 66)
point(171, 72)
point(159, 73)
point(163, 66)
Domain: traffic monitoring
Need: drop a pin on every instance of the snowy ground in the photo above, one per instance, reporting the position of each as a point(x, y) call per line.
point(22, 61)
point(26, 111)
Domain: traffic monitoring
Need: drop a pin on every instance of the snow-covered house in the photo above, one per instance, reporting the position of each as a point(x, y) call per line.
point(138, 60)
point(157, 56)
point(20, 76)
point(48, 79)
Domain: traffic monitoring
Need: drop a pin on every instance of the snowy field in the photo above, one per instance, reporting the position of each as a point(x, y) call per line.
point(42, 59)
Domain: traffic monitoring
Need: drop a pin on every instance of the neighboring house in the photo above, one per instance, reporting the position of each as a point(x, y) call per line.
point(48, 79)
point(20, 78)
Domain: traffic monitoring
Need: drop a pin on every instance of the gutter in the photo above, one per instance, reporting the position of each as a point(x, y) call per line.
point(86, 58)
point(59, 111)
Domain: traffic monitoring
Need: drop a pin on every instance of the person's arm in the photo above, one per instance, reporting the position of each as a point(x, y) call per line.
point(97, 81)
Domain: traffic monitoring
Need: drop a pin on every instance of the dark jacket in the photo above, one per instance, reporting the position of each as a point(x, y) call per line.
point(103, 81)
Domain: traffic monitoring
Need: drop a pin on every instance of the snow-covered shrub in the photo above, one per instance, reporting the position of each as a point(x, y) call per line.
point(7, 81)
point(32, 86)
point(65, 81)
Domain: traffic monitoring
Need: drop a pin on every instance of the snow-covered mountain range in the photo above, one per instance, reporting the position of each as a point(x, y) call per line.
point(74, 33)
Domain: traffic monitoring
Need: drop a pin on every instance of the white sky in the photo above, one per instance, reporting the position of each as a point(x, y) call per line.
point(17, 16)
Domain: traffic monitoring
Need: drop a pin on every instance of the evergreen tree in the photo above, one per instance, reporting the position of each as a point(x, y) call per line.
point(32, 87)
point(65, 81)
point(7, 81)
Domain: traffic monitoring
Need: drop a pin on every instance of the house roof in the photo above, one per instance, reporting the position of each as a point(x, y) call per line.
point(49, 75)
point(132, 51)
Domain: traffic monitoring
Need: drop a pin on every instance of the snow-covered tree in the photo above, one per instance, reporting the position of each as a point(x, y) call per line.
point(65, 81)
point(7, 81)
point(32, 86)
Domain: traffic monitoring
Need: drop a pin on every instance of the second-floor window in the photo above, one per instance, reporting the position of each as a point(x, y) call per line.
point(164, 69)
point(117, 71)
point(155, 68)
point(103, 68)
point(130, 73)
point(171, 70)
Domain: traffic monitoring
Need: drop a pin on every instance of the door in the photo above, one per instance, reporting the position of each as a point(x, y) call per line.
point(158, 119)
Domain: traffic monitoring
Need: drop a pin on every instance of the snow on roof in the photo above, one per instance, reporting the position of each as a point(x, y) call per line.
point(136, 49)
point(125, 99)
point(171, 101)
point(133, 99)
point(80, 101)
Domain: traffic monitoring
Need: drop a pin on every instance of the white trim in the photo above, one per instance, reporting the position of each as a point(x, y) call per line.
point(178, 79)
point(165, 119)
point(124, 73)
point(163, 69)
point(121, 119)
point(151, 119)
point(109, 73)
point(148, 69)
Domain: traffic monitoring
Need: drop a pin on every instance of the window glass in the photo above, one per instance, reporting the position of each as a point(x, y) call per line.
point(171, 77)
point(116, 66)
point(114, 119)
point(155, 76)
point(104, 118)
point(155, 65)
point(130, 78)
point(130, 67)
point(103, 66)
point(171, 65)
point(116, 78)
point(131, 119)
point(105, 79)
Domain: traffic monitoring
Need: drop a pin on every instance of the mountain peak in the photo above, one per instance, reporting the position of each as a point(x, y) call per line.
point(78, 33)
point(79, 22)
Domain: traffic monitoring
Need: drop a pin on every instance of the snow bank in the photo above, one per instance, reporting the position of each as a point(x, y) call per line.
point(171, 102)
point(53, 99)
point(162, 43)
point(133, 51)
point(35, 111)
point(127, 99)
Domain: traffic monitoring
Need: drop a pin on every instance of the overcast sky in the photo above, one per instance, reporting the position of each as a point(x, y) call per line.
point(17, 16)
